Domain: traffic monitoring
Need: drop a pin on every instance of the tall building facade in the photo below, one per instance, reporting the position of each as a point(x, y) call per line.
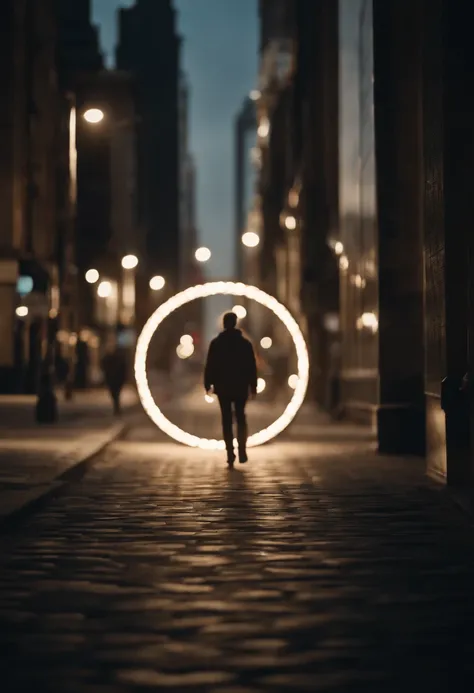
point(29, 272)
point(245, 178)
point(187, 192)
point(149, 48)
point(382, 205)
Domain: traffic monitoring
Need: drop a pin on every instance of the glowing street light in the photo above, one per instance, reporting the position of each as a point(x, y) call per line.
point(264, 128)
point(22, 311)
point(255, 94)
point(203, 254)
point(157, 283)
point(240, 312)
point(261, 385)
point(92, 276)
point(266, 342)
point(250, 239)
point(129, 262)
point(338, 248)
point(104, 290)
point(94, 116)
point(186, 340)
point(290, 223)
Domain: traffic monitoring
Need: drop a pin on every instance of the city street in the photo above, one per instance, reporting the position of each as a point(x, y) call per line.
point(318, 566)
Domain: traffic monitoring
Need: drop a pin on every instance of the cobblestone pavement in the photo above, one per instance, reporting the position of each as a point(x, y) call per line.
point(316, 567)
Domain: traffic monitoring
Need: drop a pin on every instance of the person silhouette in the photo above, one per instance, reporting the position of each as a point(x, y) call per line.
point(231, 371)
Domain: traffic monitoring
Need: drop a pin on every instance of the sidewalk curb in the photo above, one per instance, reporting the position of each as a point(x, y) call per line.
point(75, 472)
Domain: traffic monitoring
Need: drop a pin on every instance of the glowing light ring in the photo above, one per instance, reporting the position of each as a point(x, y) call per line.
point(204, 291)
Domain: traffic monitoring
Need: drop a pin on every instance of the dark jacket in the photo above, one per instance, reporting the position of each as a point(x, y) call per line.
point(231, 367)
point(114, 367)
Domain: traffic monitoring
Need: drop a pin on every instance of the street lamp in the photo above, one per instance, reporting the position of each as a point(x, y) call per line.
point(22, 311)
point(94, 116)
point(92, 276)
point(157, 283)
point(203, 254)
point(290, 223)
point(129, 262)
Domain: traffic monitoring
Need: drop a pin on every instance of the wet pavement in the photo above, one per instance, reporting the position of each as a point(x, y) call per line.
point(318, 566)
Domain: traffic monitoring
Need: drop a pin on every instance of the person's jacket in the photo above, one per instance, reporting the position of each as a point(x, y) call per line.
point(114, 368)
point(231, 367)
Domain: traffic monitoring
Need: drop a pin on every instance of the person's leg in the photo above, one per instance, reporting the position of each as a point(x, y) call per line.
point(115, 392)
point(241, 428)
point(226, 413)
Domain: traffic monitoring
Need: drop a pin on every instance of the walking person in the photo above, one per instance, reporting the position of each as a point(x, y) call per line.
point(231, 371)
point(114, 368)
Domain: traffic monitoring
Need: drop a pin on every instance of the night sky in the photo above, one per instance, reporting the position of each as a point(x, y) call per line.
point(220, 58)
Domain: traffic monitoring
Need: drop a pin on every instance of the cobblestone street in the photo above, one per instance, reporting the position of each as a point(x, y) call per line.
point(315, 567)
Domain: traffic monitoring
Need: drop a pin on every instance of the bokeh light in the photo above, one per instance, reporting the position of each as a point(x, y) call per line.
point(293, 381)
point(266, 342)
point(157, 283)
point(104, 290)
point(240, 312)
point(92, 276)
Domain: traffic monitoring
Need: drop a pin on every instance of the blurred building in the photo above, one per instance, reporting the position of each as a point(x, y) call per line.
point(187, 193)
point(77, 41)
point(29, 267)
point(149, 48)
point(297, 142)
point(245, 138)
point(378, 197)
point(190, 271)
point(107, 225)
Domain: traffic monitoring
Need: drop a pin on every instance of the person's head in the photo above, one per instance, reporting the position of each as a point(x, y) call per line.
point(229, 321)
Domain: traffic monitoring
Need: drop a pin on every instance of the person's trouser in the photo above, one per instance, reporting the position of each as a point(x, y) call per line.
point(239, 403)
point(115, 395)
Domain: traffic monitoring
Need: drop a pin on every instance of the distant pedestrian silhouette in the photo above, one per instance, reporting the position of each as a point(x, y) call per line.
point(114, 367)
point(231, 371)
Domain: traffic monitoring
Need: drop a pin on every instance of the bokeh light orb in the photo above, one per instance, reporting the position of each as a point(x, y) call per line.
point(157, 283)
point(293, 381)
point(240, 312)
point(200, 291)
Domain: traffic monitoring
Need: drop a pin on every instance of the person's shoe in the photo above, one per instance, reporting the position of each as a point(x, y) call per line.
point(231, 459)
point(243, 457)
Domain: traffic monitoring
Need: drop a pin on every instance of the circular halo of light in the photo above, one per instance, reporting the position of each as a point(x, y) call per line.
point(22, 311)
point(94, 115)
point(157, 283)
point(92, 276)
point(266, 342)
point(186, 340)
point(204, 291)
point(261, 385)
point(240, 312)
